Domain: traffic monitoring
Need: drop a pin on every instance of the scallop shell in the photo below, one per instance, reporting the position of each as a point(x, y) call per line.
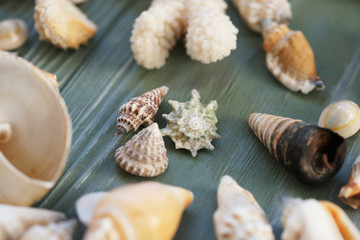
point(147, 210)
point(311, 153)
point(145, 154)
point(140, 110)
point(13, 34)
point(341, 117)
point(254, 12)
point(239, 216)
point(35, 110)
point(350, 193)
point(290, 58)
point(62, 23)
point(192, 125)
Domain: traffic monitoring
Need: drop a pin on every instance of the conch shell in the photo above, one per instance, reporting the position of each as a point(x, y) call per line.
point(140, 110)
point(35, 130)
point(314, 220)
point(254, 12)
point(239, 216)
point(62, 23)
point(13, 34)
point(290, 58)
point(144, 154)
point(311, 153)
point(350, 193)
point(147, 210)
point(192, 125)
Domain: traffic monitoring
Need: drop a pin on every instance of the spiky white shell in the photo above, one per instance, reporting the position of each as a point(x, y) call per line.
point(192, 125)
point(13, 34)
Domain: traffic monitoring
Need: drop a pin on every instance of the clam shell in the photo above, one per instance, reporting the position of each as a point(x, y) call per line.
point(341, 117)
point(62, 23)
point(290, 58)
point(140, 110)
point(254, 12)
point(147, 210)
point(350, 193)
point(13, 34)
point(34, 154)
point(311, 153)
point(239, 216)
point(145, 154)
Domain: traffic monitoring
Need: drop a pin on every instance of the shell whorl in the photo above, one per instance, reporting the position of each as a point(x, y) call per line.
point(140, 110)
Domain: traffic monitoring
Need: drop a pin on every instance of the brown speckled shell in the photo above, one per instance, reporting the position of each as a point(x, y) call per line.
point(350, 193)
point(140, 110)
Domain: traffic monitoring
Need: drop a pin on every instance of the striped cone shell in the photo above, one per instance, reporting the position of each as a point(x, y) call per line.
point(145, 154)
point(350, 193)
point(312, 153)
point(140, 110)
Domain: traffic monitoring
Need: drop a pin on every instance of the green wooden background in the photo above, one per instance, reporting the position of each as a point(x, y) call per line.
point(95, 80)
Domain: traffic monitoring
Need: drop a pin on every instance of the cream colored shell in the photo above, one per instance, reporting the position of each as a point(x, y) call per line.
point(62, 23)
point(350, 193)
point(239, 216)
point(342, 117)
point(33, 156)
point(13, 34)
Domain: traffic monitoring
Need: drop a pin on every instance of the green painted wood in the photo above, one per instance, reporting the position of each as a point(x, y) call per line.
point(95, 80)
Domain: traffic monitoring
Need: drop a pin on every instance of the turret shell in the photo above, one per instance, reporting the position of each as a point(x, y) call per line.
point(350, 193)
point(13, 34)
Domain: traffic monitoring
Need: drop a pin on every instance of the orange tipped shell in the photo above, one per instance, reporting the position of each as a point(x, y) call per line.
point(140, 110)
point(350, 193)
point(290, 58)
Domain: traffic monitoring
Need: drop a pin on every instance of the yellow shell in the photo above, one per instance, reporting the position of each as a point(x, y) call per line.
point(350, 193)
point(342, 117)
point(13, 34)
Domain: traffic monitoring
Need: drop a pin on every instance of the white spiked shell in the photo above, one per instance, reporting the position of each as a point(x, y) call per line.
point(350, 193)
point(239, 216)
point(13, 34)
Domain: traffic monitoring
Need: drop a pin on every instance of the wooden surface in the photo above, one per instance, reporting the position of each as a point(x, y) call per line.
point(95, 80)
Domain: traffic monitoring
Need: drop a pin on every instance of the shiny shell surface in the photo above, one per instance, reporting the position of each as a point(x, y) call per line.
point(13, 34)
point(350, 193)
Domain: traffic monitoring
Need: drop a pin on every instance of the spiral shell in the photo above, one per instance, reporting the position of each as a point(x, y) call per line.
point(140, 110)
point(350, 193)
point(239, 216)
point(13, 34)
point(192, 125)
point(254, 12)
point(144, 154)
point(290, 58)
point(312, 153)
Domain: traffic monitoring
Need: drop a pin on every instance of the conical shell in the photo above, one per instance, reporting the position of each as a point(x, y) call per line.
point(239, 216)
point(350, 193)
point(62, 23)
point(140, 110)
point(147, 210)
point(13, 34)
point(254, 12)
point(290, 58)
point(14, 221)
point(56, 231)
point(144, 154)
point(312, 153)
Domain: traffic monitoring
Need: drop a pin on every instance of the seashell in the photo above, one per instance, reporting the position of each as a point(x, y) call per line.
point(62, 23)
point(311, 153)
point(57, 231)
point(313, 220)
point(290, 58)
point(34, 109)
point(13, 34)
point(144, 154)
point(192, 125)
point(78, 1)
point(254, 12)
point(15, 221)
point(239, 216)
point(140, 110)
point(341, 117)
point(88, 203)
point(350, 193)
point(147, 210)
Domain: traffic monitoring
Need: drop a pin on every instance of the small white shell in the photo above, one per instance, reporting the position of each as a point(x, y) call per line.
point(341, 117)
point(350, 193)
point(13, 34)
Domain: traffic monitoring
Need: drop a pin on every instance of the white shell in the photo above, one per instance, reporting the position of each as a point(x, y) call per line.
point(86, 204)
point(13, 34)
point(350, 193)
point(239, 216)
point(34, 156)
point(341, 117)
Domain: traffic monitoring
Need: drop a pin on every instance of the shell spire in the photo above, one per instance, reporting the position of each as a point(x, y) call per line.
point(350, 193)
point(144, 154)
point(239, 216)
point(140, 110)
point(311, 153)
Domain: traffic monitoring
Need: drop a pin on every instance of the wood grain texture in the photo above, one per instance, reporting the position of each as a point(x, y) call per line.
point(98, 78)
